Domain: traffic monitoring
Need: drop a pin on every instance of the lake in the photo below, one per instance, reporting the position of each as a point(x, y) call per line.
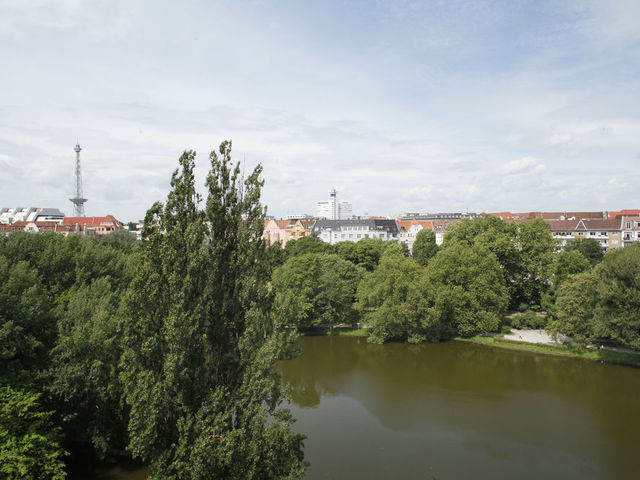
point(457, 410)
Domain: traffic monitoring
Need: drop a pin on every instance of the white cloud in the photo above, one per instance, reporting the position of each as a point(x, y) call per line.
point(525, 165)
point(560, 139)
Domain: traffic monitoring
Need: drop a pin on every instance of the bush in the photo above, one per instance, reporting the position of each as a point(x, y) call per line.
point(528, 320)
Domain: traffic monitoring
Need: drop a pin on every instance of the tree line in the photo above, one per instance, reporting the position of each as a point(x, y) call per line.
point(484, 267)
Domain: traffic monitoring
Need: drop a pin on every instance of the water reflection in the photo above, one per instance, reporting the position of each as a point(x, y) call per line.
point(500, 411)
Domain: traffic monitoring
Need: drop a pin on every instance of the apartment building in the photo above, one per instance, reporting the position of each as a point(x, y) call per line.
point(606, 232)
point(334, 231)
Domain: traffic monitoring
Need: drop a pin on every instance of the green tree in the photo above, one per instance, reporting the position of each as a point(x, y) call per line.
point(470, 289)
point(576, 305)
point(536, 253)
point(500, 238)
point(27, 328)
point(365, 252)
point(569, 263)
point(123, 236)
point(618, 312)
point(424, 247)
point(317, 289)
point(29, 443)
point(397, 302)
point(589, 247)
point(200, 343)
point(311, 244)
point(84, 369)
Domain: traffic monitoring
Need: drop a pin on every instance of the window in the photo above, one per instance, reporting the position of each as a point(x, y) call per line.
point(359, 235)
point(628, 224)
point(351, 235)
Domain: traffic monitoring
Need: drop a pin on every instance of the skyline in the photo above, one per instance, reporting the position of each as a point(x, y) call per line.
point(402, 106)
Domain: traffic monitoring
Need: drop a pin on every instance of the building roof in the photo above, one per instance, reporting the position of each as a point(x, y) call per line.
point(626, 212)
point(584, 224)
point(374, 224)
point(405, 225)
point(93, 222)
point(595, 224)
point(562, 225)
point(307, 222)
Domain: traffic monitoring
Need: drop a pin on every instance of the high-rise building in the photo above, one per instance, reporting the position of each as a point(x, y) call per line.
point(334, 210)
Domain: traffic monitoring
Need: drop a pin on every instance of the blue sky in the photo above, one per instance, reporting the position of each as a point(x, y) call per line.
point(401, 105)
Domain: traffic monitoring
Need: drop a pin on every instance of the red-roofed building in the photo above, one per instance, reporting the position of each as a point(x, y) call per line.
point(284, 230)
point(626, 213)
point(607, 232)
point(409, 230)
point(94, 225)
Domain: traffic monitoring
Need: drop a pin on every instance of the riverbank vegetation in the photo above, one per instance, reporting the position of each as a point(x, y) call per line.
point(462, 288)
point(568, 350)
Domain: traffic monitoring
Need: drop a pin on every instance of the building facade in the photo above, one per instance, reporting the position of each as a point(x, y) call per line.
point(608, 233)
point(335, 231)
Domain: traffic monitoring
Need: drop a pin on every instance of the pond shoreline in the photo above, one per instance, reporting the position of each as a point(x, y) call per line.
point(603, 356)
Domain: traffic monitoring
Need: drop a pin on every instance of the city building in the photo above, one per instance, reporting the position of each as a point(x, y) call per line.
point(626, 213)
point(31, 214)
point(438, 216)
point(284, 230)
point(607, 232)
point(298, 216)
point(334, 210)
point(630, 229)
point(334, 231)
point(409, 230)
point(95, 225)
point(39, 227)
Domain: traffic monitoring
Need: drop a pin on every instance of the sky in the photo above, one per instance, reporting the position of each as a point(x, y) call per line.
point(402, 106)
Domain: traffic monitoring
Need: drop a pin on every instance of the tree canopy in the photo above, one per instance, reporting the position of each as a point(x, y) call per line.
point(590, 248)
point(424, 247)
point(200, 343)
point(316, 289)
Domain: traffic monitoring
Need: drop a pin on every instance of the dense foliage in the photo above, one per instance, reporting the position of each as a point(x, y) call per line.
point(424, 247)
point(200, 344)
point(603, 305)
point(60, 346)
point(317, 289)
point(164, 350)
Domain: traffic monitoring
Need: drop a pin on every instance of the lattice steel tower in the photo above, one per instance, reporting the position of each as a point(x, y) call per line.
point(78, 201)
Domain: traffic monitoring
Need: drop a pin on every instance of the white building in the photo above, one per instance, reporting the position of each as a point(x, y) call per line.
point(334, 231)
point(31, 214)
point(334, 210)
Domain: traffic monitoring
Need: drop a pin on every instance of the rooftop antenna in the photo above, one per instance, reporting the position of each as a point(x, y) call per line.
point(78, 201)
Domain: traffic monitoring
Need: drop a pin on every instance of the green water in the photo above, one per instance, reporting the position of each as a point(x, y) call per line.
point(458, 410)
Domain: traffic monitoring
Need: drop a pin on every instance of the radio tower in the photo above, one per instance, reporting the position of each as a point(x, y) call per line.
point(78, 201)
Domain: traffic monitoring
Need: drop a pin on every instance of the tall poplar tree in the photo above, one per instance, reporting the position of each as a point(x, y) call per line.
point(200, 340)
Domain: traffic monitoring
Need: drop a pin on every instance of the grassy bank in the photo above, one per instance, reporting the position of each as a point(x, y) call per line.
point(619, 358)
point(349, 331)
